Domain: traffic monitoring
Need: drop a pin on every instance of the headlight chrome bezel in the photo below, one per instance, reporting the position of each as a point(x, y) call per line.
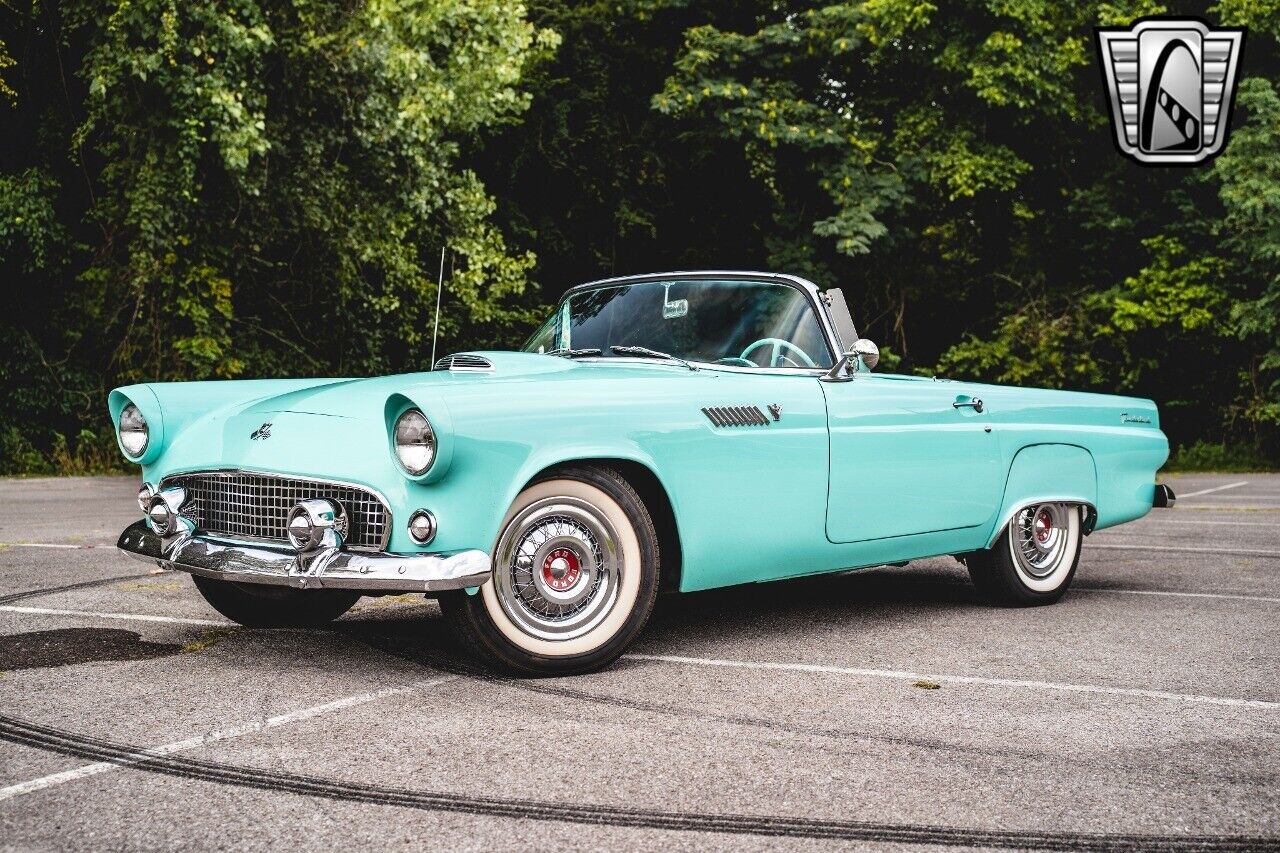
point(414, 442)
point(132, 424)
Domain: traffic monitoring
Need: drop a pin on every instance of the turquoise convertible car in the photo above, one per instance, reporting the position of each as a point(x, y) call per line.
point(676, 431)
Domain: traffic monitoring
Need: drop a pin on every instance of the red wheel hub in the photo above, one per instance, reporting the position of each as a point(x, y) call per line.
point(1043, 526)
point(561, 569)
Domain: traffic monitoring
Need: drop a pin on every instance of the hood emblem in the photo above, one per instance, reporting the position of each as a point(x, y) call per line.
point(262, 432)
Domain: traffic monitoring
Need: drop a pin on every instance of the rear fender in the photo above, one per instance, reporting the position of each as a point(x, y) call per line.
point(1048, 472)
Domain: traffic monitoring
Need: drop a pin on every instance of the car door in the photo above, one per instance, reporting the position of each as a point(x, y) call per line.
point(909, 456)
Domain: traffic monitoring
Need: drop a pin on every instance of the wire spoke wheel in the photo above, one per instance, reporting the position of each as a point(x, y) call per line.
point(1035, 557)
point(1038, 538)
point(575, 576)
point(558, 569)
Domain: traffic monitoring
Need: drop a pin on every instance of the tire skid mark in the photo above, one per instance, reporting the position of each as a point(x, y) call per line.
point(68, 743)
point(50, 590)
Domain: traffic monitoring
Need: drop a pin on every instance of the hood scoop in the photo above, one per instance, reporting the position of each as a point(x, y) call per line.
point(464, 362)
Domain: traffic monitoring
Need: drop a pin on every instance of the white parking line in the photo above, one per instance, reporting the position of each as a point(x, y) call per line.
point(898, 675)
point(62, 545)
point(1227, 595)
point(240, 730)
point(1214, 489)
point(1153, 520)
point(1224, 508)
point(1182, 549)
point(94, 614)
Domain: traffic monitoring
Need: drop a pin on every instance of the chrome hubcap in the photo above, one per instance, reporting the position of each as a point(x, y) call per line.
point(557, 568)
point(1039, 535)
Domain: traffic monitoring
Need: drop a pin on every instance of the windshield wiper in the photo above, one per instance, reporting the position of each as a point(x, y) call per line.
point(650, 353)
point(565, 352)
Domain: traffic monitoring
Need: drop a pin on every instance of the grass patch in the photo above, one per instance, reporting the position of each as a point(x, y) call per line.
point(1209, 457)
point(390, 601)
point(207, 639)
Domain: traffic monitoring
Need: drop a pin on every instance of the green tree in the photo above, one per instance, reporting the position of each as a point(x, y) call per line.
point(214, 189)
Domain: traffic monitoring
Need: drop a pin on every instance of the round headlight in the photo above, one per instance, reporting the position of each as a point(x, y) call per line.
point(134, 434)
point(415, 442)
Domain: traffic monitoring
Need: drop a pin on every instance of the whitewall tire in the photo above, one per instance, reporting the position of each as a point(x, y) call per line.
point(575, 576)
point(1034, 558)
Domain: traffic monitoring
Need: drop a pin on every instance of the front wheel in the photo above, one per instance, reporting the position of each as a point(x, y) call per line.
point(575, 576)
point(1034, 558)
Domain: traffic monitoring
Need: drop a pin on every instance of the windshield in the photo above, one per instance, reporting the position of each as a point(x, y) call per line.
point(742, 323)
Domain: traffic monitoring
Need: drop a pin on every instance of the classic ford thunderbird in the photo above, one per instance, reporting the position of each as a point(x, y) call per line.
point(678, 431)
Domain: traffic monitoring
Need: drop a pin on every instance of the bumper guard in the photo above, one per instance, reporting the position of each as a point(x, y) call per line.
point(280, 565)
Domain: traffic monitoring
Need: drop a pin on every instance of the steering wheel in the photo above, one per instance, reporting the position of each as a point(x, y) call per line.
point(776, 356)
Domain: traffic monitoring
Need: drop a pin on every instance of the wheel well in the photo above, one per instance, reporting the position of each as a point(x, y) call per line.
point(656, 500)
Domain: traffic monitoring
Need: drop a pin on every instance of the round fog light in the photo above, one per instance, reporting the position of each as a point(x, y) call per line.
point(316, 523)
point(422, 527)
point(301, 531)
point(162, 520)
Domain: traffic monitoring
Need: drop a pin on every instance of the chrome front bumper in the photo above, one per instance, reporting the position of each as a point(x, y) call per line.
point(280, 565)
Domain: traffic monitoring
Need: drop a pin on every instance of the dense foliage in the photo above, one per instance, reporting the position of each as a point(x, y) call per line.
point(265, 187)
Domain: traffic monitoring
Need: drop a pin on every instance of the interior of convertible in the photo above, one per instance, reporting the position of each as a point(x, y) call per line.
point(735, 322)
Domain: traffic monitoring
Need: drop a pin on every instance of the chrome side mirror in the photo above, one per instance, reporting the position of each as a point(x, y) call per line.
point(864, 352)
point(865, 349)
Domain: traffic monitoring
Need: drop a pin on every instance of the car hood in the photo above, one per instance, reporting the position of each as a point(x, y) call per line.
point(362, 398)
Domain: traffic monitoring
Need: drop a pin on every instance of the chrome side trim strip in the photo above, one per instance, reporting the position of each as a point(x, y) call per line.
point(334, 568)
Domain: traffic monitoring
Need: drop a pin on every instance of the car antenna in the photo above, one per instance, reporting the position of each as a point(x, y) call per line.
point(435, 335)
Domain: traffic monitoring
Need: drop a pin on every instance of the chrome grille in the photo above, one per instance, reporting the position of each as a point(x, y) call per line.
point(256, 506)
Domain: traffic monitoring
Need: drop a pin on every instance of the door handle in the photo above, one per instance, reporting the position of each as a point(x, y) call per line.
point(975, 404)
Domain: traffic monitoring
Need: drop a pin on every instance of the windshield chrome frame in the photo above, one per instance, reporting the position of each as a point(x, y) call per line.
point(810, 290)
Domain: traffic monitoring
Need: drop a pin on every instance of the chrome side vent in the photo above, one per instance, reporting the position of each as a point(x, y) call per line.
point(735, 416)
point(463, 363)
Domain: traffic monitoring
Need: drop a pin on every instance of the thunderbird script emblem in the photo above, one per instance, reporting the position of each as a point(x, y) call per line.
point(263, 432)
point(1171, 84)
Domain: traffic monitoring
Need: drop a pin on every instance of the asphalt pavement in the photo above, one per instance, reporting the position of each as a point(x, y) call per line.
point(882, 708)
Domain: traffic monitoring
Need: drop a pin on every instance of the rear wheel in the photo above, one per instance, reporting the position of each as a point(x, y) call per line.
point(575, 576)
point(260, 606)
point(1034, 558)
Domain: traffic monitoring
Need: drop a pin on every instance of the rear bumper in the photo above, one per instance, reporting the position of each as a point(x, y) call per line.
point(1164, 497)
point(280, 565)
